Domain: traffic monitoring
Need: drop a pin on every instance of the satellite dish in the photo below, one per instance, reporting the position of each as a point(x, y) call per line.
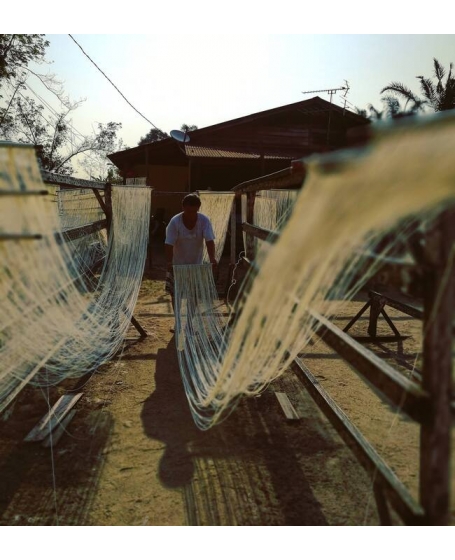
point(180, 136)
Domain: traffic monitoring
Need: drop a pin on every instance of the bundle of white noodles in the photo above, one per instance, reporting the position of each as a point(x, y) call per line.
point(218, 207)
point(271, 210)
point(76, 208)
point(407, 171)
point(52, 324)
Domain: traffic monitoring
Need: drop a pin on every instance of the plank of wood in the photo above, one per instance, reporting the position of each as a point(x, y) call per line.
point(286, 406)
point(397, 493)
point(53, 438)
point(81, 231)
point(53, 417)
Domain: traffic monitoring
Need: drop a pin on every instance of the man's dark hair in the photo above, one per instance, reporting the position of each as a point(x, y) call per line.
point(191, 200)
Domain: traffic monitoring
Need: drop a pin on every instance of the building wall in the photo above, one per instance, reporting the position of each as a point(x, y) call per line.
point(169, 178)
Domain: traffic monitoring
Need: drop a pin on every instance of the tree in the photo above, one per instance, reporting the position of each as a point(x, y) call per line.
point(439, 96)
point(188, 128)
point(17, 51)
point(24, 120)
point(392, 109)
point(55, 135)
point(99, 168)
point(154, 135)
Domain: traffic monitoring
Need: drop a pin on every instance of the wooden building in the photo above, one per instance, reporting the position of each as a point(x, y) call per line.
point(221, 156)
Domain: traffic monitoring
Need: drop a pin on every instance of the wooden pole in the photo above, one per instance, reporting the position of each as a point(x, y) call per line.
point(108, 205)
point(233, 243)
point(439, 291)
point(249, 249)
point(149, 247)
point(233, 229)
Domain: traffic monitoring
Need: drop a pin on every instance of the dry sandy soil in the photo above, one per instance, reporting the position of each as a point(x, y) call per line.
point(133, 456)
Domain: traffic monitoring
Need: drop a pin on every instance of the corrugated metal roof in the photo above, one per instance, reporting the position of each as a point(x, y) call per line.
point(203, 151)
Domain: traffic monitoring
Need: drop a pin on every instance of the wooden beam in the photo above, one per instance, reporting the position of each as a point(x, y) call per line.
point(138, 327)
point(286, 406)
point(233, 230)
point(108, 204)
point(400, 391)
point(435, 435)
point(9, 192)
point(81, 231)
point(249, 249)
point(261, 233)
point(20, 236)
point(53, 418)
point(100, 201)
point(54, 437)
point(283, 179)
point(65, 181)
point(396, 304)
point(398, 495)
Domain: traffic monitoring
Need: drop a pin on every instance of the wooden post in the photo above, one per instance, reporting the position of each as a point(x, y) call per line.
point(233, 229)
point(439, 289)
point(249, 249)
point(108, 204)
point(375, 311)
point(149, 247)
point(233, 244)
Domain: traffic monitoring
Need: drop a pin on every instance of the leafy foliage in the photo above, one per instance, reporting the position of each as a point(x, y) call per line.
point(188, 127)
point(16, 51)
point(438, 96)
point(28, 121)
point(154, 135)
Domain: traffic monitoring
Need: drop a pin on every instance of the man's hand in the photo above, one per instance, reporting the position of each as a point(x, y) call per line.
point(215, 270)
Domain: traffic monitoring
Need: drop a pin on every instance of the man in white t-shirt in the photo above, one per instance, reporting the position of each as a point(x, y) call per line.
point(185, 235)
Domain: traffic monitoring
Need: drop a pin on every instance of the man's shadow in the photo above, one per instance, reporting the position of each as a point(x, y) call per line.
point(166, 416)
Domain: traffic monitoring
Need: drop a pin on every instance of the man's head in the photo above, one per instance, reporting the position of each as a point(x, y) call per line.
point(191, 204)
point(191, 200)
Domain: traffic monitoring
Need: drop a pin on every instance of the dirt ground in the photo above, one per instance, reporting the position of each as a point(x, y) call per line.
point(133, 456)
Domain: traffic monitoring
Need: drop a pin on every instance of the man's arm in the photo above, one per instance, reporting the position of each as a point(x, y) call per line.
point(169, 252)
point(211, 251)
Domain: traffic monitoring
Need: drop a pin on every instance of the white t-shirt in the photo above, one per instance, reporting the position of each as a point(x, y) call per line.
point(188, 243)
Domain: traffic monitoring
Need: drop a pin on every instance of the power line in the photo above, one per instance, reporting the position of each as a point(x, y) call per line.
point(94, 63)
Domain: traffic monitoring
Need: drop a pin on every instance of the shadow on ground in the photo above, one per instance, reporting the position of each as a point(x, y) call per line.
point(44, 486)
point(245, 471)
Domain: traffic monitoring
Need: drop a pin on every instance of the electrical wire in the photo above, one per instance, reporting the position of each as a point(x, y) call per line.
point(109, 80)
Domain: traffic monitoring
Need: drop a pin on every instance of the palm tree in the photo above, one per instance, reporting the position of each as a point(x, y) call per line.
point(438, 96)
